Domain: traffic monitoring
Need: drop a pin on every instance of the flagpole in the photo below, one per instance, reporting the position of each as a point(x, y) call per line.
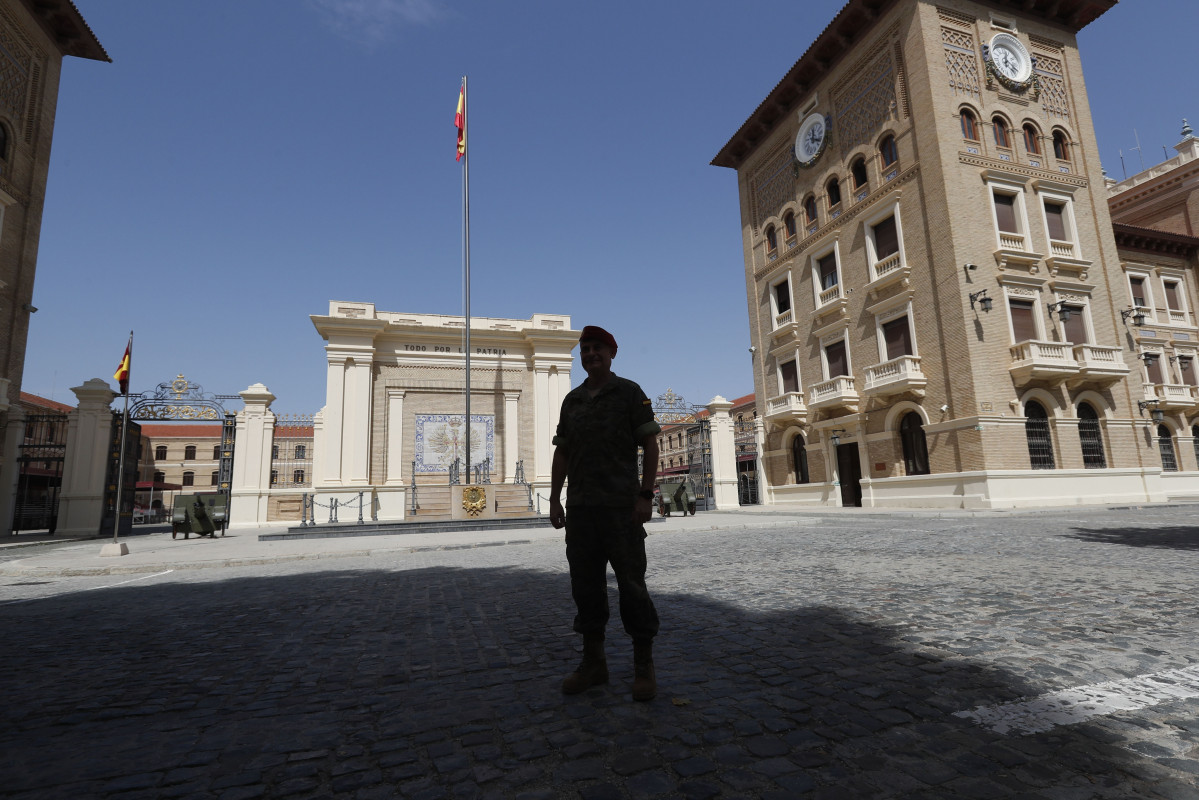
point(466, 270)
point(124, 436)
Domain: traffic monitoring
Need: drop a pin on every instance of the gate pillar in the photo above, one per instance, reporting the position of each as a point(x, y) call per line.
point(89, 431)
point(251, 488)
point(10, 468)
point(724, 455)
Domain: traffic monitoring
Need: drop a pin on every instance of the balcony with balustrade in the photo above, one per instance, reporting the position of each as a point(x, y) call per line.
point(787, 407)
point(1098, 364)
point(1015, 250)
point(1175, 396)
point(839, 392)
point(1042, 361)
point(897, 376)
point(785, 326)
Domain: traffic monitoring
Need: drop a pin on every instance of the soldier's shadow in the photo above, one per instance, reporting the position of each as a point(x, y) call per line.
point(1176, 537)
point(433, 680)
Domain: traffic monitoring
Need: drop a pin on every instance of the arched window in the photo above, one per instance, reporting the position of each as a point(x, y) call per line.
point(189, 479)
point(999, 126)
point(1061, 148)
point(833, 190)
point(160, 452)
point(160, 477)
point(858, 171)
point(799, 459)
point(301, 451)
point(1091, 437)
point(889, 151)
point(1040, 439)
point(1032, 140)
point(969, 126)
point(915, 447)
point(189, 453)
point(1165, 444)
point(772, 241)
point(809, 210)
point(297, 476)
point(789, 226)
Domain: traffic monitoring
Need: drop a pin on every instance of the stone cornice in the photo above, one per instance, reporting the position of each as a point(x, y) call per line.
point(996, 166)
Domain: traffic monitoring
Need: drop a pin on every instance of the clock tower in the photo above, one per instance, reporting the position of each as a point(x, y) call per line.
point(933, 286)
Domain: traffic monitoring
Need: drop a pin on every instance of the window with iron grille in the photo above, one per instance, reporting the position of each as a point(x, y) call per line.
point(1091, 438)
point(799, 459)
point(915, 446)
point(1165, 444)
point(1039, 436)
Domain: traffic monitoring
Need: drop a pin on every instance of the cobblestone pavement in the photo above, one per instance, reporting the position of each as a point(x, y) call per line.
point(828, 658)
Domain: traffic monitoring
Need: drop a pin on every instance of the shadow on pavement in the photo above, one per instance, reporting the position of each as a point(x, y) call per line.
point(443, 682)
point(1172, 538)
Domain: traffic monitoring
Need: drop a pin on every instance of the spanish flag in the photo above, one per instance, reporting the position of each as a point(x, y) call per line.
point(460, 122)
point(121, 376)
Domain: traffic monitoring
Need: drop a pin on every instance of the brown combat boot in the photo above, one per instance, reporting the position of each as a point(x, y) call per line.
point(592, 671)
point(645, 683)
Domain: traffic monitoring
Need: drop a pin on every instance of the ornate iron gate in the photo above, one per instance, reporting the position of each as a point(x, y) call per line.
point(179, 400)
point(745, 441)
point(39, 467)
point(672, 409)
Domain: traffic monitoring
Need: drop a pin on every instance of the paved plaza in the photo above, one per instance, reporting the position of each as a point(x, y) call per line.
point(840, 655)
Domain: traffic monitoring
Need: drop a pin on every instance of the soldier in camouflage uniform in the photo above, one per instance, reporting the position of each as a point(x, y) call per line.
point(601, 424)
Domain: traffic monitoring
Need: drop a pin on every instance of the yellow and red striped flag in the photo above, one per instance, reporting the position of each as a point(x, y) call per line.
point(460, 122)
point(121, 376)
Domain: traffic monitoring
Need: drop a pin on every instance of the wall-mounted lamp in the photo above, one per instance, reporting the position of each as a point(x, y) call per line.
point(30, 307)
point(981, 298)
point(1157, 414)
point(1063, 311)
point(971, 266)
point(1137, 314)
point(1149, 358)
point(836, 437)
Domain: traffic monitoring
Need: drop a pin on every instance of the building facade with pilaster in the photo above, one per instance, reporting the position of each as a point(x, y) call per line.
point(395, 400)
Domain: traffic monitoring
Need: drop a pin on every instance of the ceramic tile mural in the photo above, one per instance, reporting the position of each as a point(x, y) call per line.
point(440, 438)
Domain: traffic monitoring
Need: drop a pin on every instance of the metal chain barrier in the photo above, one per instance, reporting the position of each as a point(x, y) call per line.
point(309, 505)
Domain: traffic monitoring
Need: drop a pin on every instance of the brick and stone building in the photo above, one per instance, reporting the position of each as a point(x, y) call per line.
point(34, 39)
point(936, 291)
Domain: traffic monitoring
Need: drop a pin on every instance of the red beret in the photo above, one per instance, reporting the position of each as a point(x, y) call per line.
point(598, 334)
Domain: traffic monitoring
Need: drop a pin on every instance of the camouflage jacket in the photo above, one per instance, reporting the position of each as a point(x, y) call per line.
point(600, 436)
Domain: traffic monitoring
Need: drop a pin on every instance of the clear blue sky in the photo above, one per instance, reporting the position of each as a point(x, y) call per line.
point(240, 164)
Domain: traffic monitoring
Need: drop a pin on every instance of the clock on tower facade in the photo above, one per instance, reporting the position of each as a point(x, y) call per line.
point(931, 271)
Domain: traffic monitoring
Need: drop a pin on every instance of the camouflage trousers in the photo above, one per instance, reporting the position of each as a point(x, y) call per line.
point(595, 538)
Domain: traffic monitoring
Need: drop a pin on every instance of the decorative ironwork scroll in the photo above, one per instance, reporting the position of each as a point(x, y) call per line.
point(178, 399)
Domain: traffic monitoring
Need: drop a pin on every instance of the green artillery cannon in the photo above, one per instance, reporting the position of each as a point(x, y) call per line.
point(201, 514)
point(676, 495)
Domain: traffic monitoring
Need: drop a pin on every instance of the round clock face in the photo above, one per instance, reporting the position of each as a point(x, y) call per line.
point(810, 141)
point(1010, 58)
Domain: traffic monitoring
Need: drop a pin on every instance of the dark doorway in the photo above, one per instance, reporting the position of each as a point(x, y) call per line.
point(849, 472)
